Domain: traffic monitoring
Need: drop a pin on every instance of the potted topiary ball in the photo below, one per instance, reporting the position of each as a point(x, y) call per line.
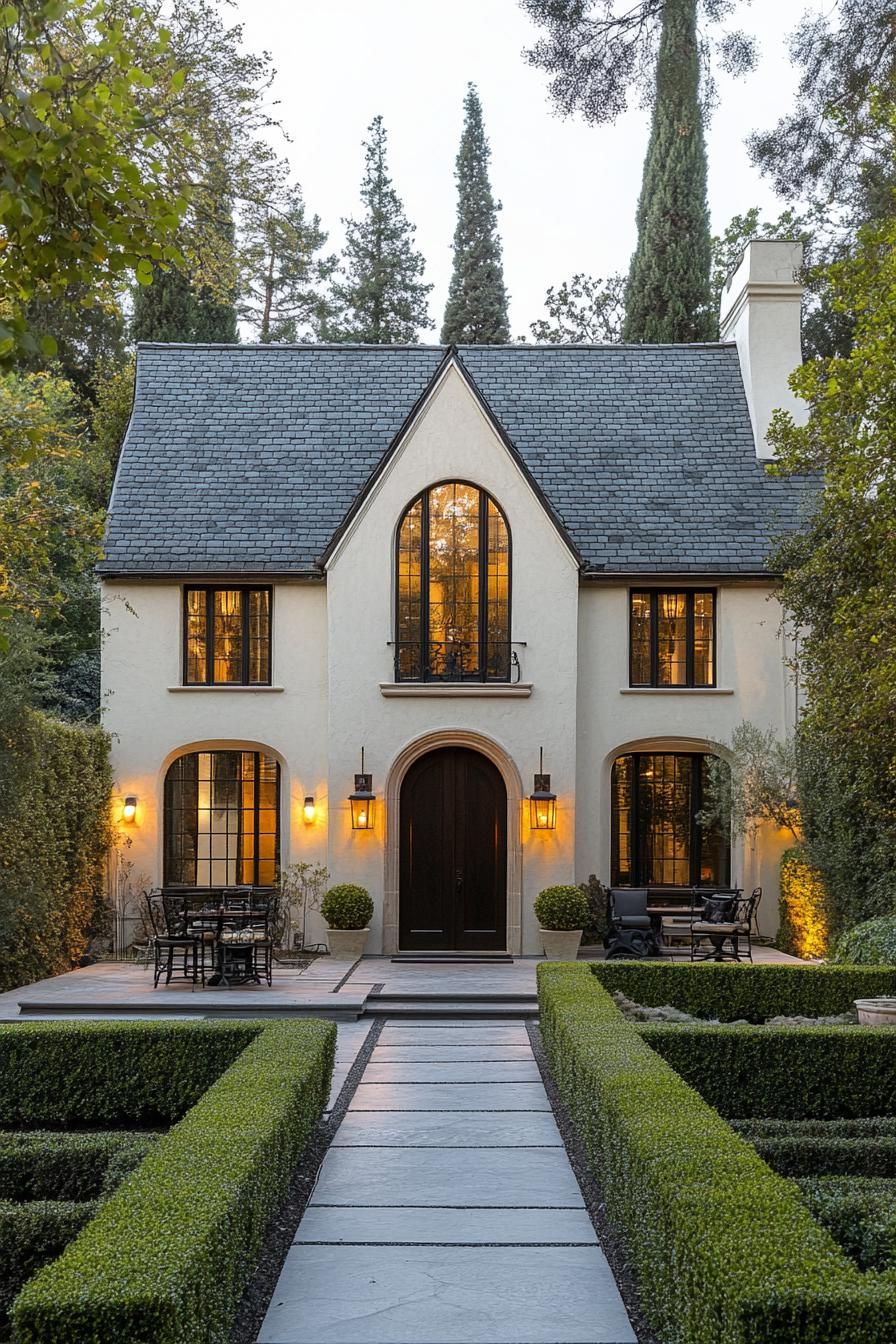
point(348, 911)
point(562, 913)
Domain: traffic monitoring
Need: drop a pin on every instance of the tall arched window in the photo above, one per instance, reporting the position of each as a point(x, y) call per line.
point(657, 839)
point(222, 819)
point(453, 587)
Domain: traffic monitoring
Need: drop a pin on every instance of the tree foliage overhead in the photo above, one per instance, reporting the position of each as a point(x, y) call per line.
point(283, 289)
point(597, 51)
point(585, 310)
point(476, 311)
point(668, 295)
point(379, 291)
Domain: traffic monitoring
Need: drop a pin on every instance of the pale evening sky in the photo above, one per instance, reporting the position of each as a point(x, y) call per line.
point(569, 190)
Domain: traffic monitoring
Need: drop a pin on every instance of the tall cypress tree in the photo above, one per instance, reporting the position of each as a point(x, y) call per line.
point(668, 292)
point(163, 311)
point(380, 291)
point(476, 312)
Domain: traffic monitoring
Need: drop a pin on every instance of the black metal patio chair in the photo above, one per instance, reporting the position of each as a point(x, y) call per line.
point(722, 921)
point(170, 940)
point(630, 930)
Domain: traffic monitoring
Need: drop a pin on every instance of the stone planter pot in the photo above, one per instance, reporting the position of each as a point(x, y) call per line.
point(876, 1012)
point(561, 944)
point(347, 944)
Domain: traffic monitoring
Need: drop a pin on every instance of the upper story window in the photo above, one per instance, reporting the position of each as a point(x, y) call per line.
point(453, 588)
point(672, 638)
point(227, 636)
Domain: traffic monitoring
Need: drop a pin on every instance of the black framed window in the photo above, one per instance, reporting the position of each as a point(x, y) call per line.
point(672, 637)
point(656, 839)
point(222, 819)
point(453, 587)
point(227, 636)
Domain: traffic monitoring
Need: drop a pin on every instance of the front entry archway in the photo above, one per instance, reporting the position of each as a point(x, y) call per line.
point(453, 853)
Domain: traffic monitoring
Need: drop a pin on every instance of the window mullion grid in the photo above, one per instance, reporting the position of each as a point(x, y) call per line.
point(689, 638)
point(483, 578)
point(635, 821)
point(654, 639)
point(209, 636)
point(244, 633)
point(696, 802)
point(424, 589)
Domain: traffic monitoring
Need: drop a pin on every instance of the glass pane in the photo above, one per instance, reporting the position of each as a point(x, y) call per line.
point(704, 652)
point(672, 630)
point(228, 635)
point(221, 813)
point(664, 819)
point(410, 564)
point(196, 635)
point(715, 841)
point(454, 582)
point(641, 638)
point(498, 596)
point(621, 838)
point(259, 636)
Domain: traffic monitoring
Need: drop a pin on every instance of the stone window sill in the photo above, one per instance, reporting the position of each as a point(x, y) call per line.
point(252, 690)
point(676, 690)
point(437, 690)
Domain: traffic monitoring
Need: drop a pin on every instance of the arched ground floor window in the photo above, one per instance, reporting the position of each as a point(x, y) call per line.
point(222, 819)
point(656, 837)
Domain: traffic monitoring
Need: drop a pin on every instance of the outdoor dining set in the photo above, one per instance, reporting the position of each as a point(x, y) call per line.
point(716, 923)
point(212, 935)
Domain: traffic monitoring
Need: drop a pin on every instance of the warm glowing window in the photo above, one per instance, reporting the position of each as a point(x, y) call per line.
point(656, 837)
point(227, 636)
point(453, 604)
point(222, 819)
point(672, 638)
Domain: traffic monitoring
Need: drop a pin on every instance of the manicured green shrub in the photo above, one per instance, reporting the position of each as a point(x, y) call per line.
point(168, 1256)
point(729, 991)
point(33, 1234)
point(724, 1249)
point(798, 1156)
point(561, 908)
point(48, 1165)
point(347, 907)
point(872, 943)
point(863, 1127)
point(802, 908)
point(55, 831)
point(803, 1072)
point(111, 1074)
point(859, 1213)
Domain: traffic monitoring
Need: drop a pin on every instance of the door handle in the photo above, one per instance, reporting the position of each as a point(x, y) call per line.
point(459, 878)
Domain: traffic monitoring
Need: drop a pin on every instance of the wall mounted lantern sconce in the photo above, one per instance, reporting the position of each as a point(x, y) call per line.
point(542, 802)
point(308, 809)
point(362, 800)
point(129, 811)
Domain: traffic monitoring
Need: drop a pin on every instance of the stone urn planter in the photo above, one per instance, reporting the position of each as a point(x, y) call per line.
point(348, 911)
point(561, 944)
point(347, 944)
point(876, 1012)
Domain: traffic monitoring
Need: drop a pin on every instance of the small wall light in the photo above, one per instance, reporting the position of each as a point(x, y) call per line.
point(362, 800)
point(129, 811)
point(308, 810)
point(542, 802)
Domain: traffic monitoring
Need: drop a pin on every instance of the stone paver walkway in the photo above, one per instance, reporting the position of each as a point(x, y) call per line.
point(446, 1210)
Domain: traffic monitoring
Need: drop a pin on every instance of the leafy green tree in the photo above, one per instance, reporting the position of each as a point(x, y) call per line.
point(668, 295)
point(476, 312)
point(838, 586)
point(89, 336)
point(380, 293)
point(585, 310)
point(283, 290)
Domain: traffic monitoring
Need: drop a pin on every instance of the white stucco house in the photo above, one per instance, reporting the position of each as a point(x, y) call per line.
point(461, 561)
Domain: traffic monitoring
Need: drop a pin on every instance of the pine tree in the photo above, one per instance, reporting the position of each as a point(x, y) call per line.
point(214, 307)
point(163, 311)
point(668, 294)
point(476, 312)
point(380, 292)
point(282, 295)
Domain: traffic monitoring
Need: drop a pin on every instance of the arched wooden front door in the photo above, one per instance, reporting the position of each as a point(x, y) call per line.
point(453, 862)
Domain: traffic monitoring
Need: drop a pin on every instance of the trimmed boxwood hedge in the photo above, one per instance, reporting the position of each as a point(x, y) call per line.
point(799, 1072)
point(167, 1258)
point(828, 1157)
point(725, 1250)
point(728, 991)
point(48, 1165)
point(30, 1235)
point(859, 1213)
point(862, 1127)
point(59, 1075)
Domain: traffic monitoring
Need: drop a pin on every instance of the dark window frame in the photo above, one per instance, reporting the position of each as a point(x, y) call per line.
point(637, 878)
point(655, 594)
point(482, 675)
point(168, 809)
point(244, 589)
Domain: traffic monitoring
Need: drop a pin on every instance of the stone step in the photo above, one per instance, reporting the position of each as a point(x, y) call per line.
point(457, 1006)
point(335, 1007)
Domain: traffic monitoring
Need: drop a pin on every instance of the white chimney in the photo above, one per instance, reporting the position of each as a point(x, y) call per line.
point(760, 312)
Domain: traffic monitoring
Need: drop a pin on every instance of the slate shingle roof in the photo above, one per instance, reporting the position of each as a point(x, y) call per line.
point(248, 458)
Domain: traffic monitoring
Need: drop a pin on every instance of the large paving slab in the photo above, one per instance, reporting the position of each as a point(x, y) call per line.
point(446, 1227)
point(490, 1033)
point(448, 1129)
point(453, 1071)
point(446, 1295)
point(435, 1053)
point(449, 1097)
point(449, 1178)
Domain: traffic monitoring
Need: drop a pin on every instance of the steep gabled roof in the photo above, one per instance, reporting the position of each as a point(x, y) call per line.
point(249, 458)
